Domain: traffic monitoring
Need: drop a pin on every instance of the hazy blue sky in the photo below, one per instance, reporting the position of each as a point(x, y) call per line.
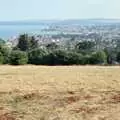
point(58, 9)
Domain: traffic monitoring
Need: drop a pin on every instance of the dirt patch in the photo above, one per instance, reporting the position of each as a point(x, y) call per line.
point(87, 109)
point(6, 114)
point(72, 99)
point(71, 92)
point(115, 98)
point(28, 96)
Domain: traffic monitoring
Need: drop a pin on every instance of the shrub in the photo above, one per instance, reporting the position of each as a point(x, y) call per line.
point(85, 46)
point(26, 43)
point(98, 58)
point(18, 58)
point(58, 57)
point(1, 58)
point(36, 56)
point(52, 46)
point(118, 57)
point(75, 58)
point(86, 59)
point(5, 52)
point(62, 57)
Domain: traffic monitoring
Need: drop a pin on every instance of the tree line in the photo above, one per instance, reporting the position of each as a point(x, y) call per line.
point(29, 51)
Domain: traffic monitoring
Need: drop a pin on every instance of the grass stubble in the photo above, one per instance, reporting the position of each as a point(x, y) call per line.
point(59, 93)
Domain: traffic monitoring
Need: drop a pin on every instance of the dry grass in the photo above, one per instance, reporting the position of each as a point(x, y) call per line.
point(59, 93)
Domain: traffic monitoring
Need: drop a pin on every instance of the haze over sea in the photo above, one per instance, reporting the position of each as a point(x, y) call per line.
point(8, 31)
point(11, 29)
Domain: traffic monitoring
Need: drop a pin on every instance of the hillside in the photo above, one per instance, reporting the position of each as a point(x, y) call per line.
point(59, 93)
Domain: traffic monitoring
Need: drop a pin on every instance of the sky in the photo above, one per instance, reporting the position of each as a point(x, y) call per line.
point(58, 9)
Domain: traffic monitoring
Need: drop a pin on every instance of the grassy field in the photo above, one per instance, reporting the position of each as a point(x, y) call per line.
point(59, 93)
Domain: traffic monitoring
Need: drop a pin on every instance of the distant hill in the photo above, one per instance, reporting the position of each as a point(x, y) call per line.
point(90, 21)
point(28, 22)
point(62, 22)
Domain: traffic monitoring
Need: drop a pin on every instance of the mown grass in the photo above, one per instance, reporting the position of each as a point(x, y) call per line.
point(59, 93)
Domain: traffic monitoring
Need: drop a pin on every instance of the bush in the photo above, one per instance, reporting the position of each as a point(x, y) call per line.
point(36, 56)
point(18, 58)
point(98, 58)
point(58, 57)
point(118, 57)
point(1, 58)
point(52, 46)
point(85, 46)
point(61, 57)
point(86, 59)
point(5, 52)
point(75, 58)
point(112, 55)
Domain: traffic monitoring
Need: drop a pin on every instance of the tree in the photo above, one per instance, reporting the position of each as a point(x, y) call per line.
point(36, 56)
point(62, 57)
point(57, 57)
point(86, 59)
point(111, 55)
point(1, 58)
point(85, 46)
point(118, 57)
point(23, 42)
point(18, 58)
point(52, 46)
point(33, 43)
point(98, 58)
point(5, 51)
point(75, 58)
point(26, 43)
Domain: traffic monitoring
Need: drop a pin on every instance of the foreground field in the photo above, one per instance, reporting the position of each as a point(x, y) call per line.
point(59, 93)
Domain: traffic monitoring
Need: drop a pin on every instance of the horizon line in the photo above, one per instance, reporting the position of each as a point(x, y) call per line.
point(20, 20)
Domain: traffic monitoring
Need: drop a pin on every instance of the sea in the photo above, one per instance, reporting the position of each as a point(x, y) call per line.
point(9, 31)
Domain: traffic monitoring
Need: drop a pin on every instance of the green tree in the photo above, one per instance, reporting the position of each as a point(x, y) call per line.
point(23, 42)
point(85, 46)
point(1, 58)
point(62, 57)
point(5, 51)
point(36, 56)
point(98, 58)
point(111, 55)
point(52, 46)
point(26, 43)
point(86, 59)
point(57, 57)
point(118, 57)
point(33, 43)
point(18, 58)
point(75, 58)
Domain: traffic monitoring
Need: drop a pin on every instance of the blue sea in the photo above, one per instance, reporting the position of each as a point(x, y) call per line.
point(8, 31)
